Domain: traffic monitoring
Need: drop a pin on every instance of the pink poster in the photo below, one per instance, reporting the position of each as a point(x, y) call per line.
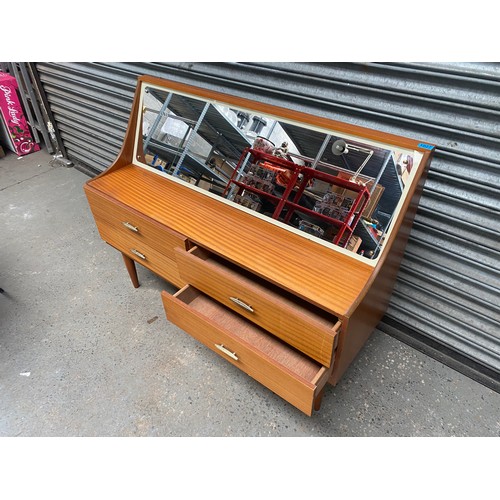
point(16, 128)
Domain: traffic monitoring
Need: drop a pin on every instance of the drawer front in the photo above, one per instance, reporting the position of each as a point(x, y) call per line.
point(144, 230)
point(140, 252)
point(293, 320)
point(291, 375)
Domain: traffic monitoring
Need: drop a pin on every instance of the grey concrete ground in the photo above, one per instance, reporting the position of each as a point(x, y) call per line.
point(83, 353)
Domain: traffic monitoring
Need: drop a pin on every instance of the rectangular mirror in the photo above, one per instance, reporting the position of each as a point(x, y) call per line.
point(340, 189)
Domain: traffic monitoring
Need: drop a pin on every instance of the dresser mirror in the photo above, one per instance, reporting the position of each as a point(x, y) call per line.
point(339, 189)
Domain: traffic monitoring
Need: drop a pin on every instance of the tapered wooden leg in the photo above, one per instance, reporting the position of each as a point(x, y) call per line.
point(132, 271)
point(318, 399)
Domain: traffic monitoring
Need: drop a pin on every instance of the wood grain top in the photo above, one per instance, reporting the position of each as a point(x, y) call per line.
point(322, 276)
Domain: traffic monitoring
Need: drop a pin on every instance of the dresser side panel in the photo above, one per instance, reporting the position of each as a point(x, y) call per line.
point(358, 327)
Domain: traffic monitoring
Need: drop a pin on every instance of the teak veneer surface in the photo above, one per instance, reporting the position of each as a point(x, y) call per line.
point(147, 232)
point(125, 243)
point(285, 371)
point(293, 320)
point(313, 271)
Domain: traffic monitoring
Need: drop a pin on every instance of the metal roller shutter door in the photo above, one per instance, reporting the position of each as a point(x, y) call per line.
point(446, 298)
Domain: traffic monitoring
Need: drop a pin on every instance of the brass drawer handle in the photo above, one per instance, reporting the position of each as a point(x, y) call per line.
point(227, 351)
point(131, 227)
point(241, 304)
point(139, 254)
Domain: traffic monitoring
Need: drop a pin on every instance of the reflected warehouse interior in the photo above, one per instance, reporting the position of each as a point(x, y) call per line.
point(341, 190)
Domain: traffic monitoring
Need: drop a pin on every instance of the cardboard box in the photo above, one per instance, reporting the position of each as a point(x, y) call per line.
point(155, 161)
point(15, 133)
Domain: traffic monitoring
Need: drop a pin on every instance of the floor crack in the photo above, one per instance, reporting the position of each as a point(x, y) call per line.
point(24, 180)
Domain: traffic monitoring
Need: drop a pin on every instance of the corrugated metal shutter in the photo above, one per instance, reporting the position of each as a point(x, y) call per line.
point(446, 300)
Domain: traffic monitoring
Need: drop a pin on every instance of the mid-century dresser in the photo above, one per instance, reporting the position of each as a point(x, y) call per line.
point(282, 231)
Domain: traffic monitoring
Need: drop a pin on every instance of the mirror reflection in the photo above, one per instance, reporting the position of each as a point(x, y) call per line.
point(333, 188)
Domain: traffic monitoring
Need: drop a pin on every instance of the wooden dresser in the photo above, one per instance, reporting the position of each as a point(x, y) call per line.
point(288, 307)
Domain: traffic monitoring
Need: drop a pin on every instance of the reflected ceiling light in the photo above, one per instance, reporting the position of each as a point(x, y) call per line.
point(340, 147)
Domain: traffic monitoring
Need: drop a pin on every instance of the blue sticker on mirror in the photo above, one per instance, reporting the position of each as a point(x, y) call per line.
point(425, 146)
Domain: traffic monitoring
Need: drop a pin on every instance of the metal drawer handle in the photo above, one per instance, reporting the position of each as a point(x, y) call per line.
point(131, 227)
point(227, 351)
point(241, 304)
point(139, 254)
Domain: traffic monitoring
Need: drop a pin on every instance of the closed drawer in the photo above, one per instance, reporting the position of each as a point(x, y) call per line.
point(142, 229)
point(293, 320)
point(293, 376)
point(143, 254)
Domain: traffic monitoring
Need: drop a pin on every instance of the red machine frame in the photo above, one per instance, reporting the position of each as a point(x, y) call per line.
point(299, 179)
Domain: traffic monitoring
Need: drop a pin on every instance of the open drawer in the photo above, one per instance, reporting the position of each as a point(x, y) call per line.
point(284, 370)
point(300, 324)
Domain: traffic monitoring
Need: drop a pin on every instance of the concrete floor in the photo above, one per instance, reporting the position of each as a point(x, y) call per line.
point(83, 353)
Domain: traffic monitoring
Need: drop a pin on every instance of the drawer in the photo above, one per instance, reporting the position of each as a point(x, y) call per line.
point(284, 370)
point(300, 324)
point(143, 254)
point(141, 228)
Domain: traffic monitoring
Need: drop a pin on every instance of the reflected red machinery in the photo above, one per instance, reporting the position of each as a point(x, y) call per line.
point(258, 173)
